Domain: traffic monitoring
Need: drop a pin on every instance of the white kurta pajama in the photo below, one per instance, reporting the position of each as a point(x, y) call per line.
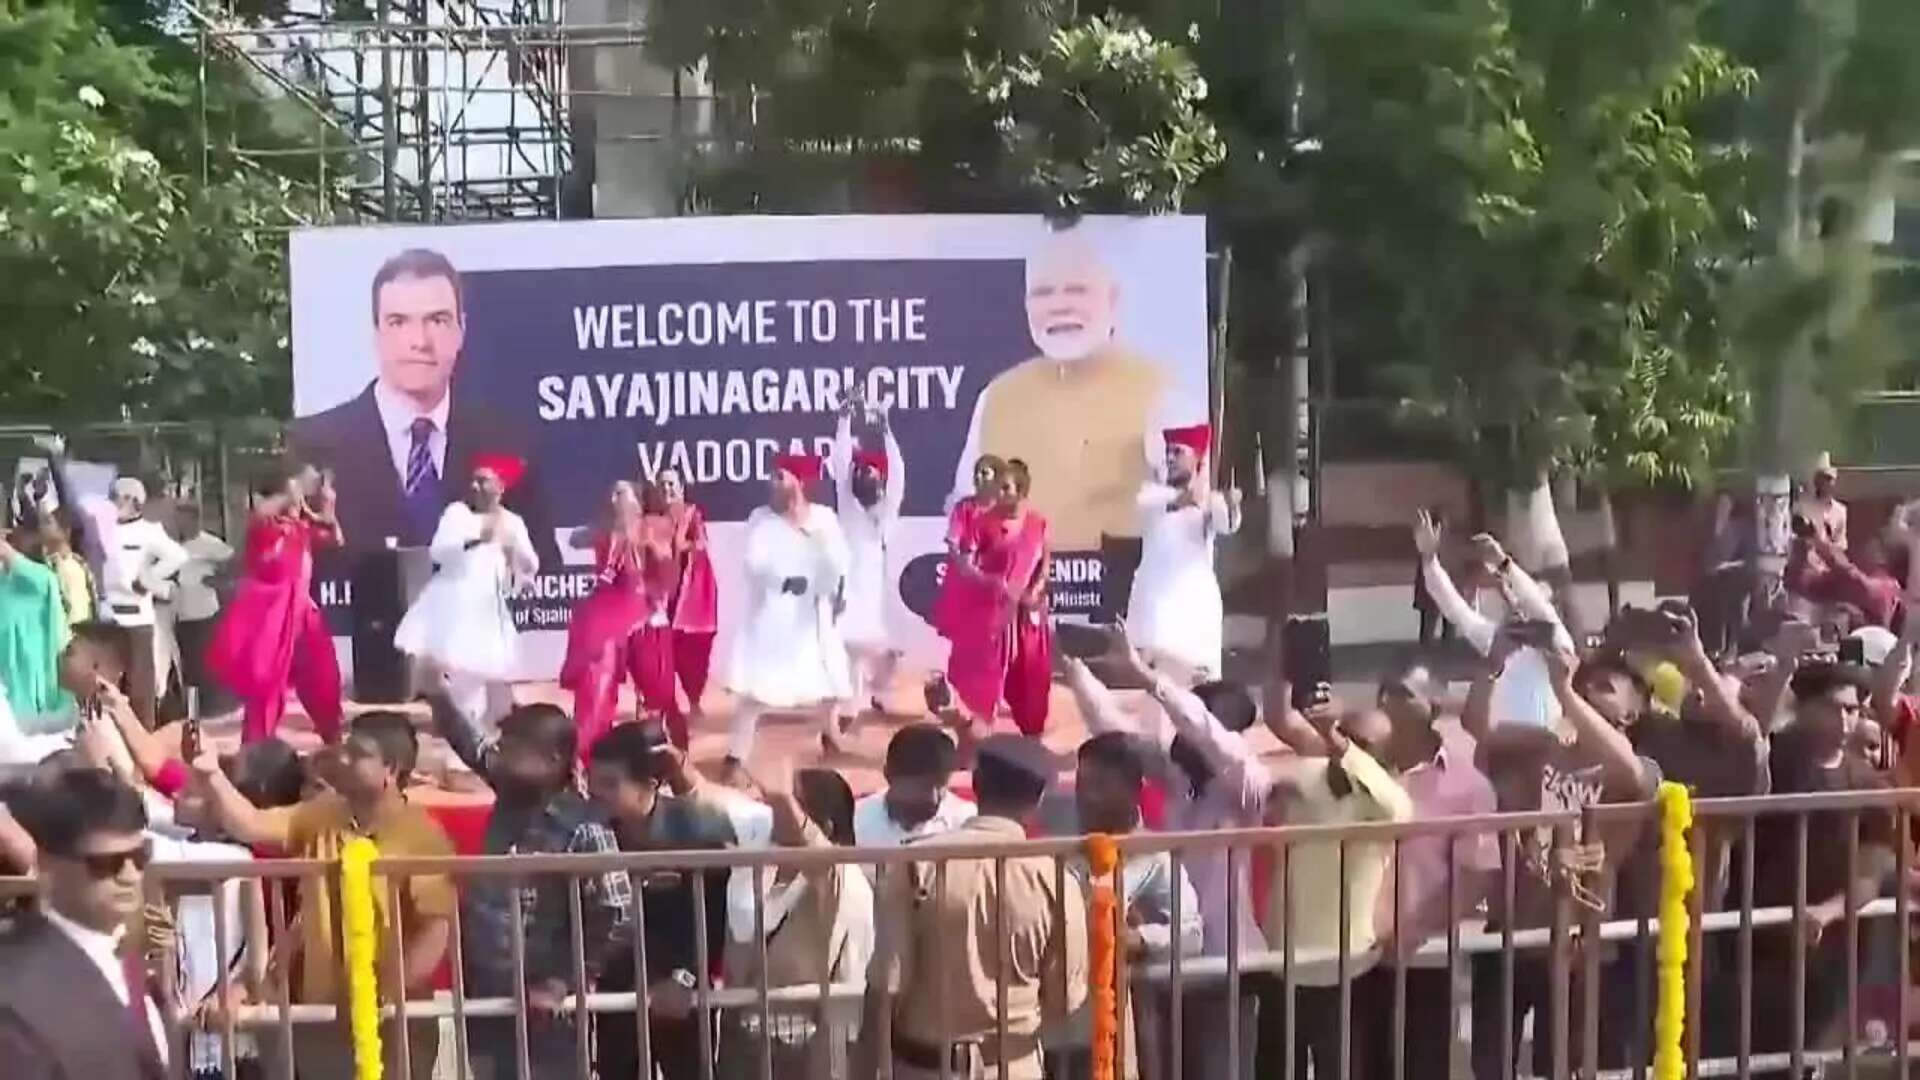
point(789, 652)
point(869, 532)
point(869, 539)
point(1175, 611)
point(461, 620)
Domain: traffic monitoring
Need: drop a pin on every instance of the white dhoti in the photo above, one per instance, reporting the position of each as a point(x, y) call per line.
point(788, 653)
point(1175, 612)
point(461, 621)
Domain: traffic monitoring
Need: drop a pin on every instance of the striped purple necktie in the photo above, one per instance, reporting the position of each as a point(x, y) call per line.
point(421, 474)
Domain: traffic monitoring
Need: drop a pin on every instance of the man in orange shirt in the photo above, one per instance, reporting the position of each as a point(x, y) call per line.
point(378, 754)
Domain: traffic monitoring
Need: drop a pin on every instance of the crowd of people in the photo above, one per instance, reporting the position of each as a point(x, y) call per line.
point(946, 954)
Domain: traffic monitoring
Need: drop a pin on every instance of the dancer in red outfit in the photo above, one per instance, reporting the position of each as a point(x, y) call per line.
point(696, 599)
point(998, 617)
point(962, 517)
point(608, 639)
point(272, 633)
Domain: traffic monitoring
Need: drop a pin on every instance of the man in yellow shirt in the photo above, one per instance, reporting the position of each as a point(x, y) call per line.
point(1086, 412)
point(377, 756)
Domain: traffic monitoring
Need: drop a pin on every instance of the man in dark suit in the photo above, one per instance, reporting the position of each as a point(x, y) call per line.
point(403, 448)
point(73, 1001)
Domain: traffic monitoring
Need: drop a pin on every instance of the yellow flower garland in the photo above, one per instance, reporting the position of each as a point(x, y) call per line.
point(362, 946)
point(1676, 885)
point(1103, 967)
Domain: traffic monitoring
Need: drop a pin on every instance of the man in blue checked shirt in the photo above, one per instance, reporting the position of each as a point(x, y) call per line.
point(537, 810)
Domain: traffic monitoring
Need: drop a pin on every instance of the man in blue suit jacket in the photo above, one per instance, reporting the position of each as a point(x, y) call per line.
point(402, 449)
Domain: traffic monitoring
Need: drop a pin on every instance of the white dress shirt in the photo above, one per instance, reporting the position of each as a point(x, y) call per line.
point(1523, 691)
point(139, 553)
point(874, 827)
point(195, 600)
point(104, 951)
point(397, 414)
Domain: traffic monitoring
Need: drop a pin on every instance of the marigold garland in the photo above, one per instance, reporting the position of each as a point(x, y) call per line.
point(1102, 955)
point(1676, 885)
point(362, 947)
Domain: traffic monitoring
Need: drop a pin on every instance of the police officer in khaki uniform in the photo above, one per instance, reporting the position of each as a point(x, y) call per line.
point(943, 947)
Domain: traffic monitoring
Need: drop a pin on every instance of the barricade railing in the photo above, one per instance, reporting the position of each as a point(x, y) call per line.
point(1201, 1012)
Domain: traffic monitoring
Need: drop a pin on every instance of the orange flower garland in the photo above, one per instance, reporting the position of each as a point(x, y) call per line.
point(1103, 955)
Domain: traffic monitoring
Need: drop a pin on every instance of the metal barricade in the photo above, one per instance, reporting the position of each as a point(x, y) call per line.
point(1537, 980)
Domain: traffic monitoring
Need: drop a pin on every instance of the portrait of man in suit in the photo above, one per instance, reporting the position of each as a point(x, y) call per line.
point(403, 448)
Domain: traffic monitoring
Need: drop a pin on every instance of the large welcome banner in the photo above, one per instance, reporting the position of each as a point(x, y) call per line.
point(610, 350)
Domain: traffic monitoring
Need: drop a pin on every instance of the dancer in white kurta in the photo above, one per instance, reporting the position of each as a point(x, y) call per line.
point(1175, 615)
point(788, 654)
point(461, 621)
point(869, 486)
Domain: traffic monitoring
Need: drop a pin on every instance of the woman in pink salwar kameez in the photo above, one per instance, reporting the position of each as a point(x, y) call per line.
point(621, 629)
point(272, 634)
point(696, 597)
point(962, 521)
point(997, 615)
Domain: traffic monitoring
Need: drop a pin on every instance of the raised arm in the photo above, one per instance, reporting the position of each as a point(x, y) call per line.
point(243, 821)
point(149, 755)
point(474, 747)
point(840, 462)
point(1475, 627)
point(1721, 706)
point(1792, 641)
point(895, 495)
point(1599, 742)
point(1099, 710)
point(1891, 675)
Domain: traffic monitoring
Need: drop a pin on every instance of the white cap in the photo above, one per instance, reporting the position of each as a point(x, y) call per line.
point(1875, 643)
point(129, 487)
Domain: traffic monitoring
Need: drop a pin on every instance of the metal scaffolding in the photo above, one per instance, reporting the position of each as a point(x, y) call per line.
point(415, 110)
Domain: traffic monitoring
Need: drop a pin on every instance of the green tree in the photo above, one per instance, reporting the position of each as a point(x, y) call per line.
point(136, 289)
point(978, 105)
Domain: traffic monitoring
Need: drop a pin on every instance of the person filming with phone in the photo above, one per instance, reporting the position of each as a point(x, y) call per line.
point(1522, 691)
point(1822, 572)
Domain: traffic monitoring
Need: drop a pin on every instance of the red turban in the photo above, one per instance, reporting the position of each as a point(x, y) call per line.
point(1198, 438)
point(505, 466)
point(804, 467)
point(871, 459)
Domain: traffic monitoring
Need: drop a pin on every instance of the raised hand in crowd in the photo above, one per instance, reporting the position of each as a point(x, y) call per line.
point(1426, 534)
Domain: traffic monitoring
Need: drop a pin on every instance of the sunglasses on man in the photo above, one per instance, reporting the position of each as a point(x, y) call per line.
point(106, 864)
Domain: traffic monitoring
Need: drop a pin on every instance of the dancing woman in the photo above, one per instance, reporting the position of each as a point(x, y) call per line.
point(998, 618)
point(962, 520)
point(482, 556)
point(634, 558)
point(272, 634)
point(696, 597)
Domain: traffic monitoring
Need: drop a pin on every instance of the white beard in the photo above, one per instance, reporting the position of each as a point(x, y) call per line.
point(1064, 345)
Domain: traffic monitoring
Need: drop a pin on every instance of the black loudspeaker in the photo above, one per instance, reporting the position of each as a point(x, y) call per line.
point(379, 669)
point(1119, 561)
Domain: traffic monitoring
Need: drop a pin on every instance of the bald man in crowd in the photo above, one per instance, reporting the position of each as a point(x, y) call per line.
point(1086, 411)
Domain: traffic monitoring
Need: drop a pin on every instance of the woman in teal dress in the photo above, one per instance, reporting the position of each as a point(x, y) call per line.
point(33, 630)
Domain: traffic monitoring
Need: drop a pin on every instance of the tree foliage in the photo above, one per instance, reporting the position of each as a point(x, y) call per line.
point(975, 105)
point(1522, 186)
point(135, 290)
